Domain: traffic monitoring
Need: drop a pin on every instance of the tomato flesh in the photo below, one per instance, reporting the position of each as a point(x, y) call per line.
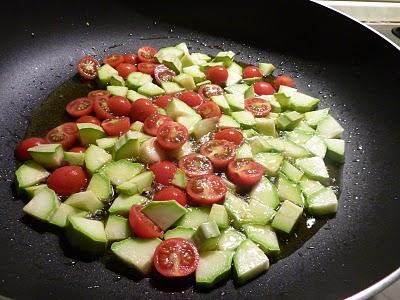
point(147, 68)
point(164, 171)
point(124, 69)
point(283, 80)
point(162, 101)
point(21, 151)
point(119, 106)
point(101, 108)
point(141, 109)
point(209, 109)
point(141, 225)
point(208, 90)
point(206, 189)
point(217, 75)
point(171, 193)
point(114, 60)
point(176, 257)
point(88, 119)
point(65, 134)
point(67, 180)
point(245, 172)
point(230, 134)
point(251, 72)
point(163, 73)
point(146, 54)
point(131, 58)
point(154, 122)
point(116, 126)
point(77, 149)
point(172, 135)
point(220, 152)
point(195, 164)
point(191, 98)
point(263, 88)
point(258, 107)
point(98, 94)
point(80, 107)
point(87, 67)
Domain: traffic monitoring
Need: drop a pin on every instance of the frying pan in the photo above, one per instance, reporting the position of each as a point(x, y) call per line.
point(351, 69)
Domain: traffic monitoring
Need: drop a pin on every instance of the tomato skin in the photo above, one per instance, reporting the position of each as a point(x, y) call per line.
point(141, 109)
point(119, 106)
point(101, 108)
point(80, 107)
point(77, 149)
point(217, 75)
point(245, 172)
point(283, 80)
point(88, 119)
point(164, 171)
point(208, 90)
point(65, 134)
point(258, 107)
point(147, 68)
point(87, 67)
point(67, 180)
point(230, 134)
point(146, 54)
point(141, 225)
point(176, 257)
point(162, 101)
point(251, 72)
point(98, 94)
point(21, 151)
point(154, 122)
point(191, 98)
point(163, 73)
point(195, 164)
point(220, 152)
point(114, 59)
point(116, 126)
point(131, 58)
point(125, 69)
point(172, 135)
point(209, 109)
point(171, 193)
point(206, 189)
point(263, 88)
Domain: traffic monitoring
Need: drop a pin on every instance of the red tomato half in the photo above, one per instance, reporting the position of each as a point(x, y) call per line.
point(141, 109)
point(141, 225)
point(116, 126)
point(258, 107)
point(114, 59)
point(195, 164)
point(124, 69)
point(171, 193)
point(77, 149)
point(98, 94)
point(87, 67)
point(119, 106)
point(231, 135)
point(147, 68)
point(209, 109)
point(80, 107)
point(164, 171)
point(245, 172)
point(220, 152)
point(67, 180)
point(131, 58)
point(163, 73)
point(146, 54)
point(217, 75)
point(101, 108)
point(172, 135)
point(162, 101)
point(65, 134)
point(206, 190)
point(263, 88)
point(21, 151)
point(88, 119)
point(208, 90)
point(251, 72)
point(191, 98)
point(176, 257)
point(283, 80)
point(153, 122)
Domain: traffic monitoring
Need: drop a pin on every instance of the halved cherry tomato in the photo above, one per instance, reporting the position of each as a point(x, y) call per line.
point(119, 106)
point(195, 164)
point(153, 122)
point(21, 151)
point(141, 109)
point(114, 59)
point(131, 58)
point(116, 126)
point(206, 189)
point(245, 172)
point(146, 54)
point(263, 88)
point(67, 180)
point(257, 106)
point(147, 68)
point(220, 152)
point(141, 225)
point(88, 119)
point(77, 149)
point(163, 73)
point(125, 69)
point(98, 94)
point(87, 67)
point(176, 257)
point(171, 193)
point(208, 90)
point(209, 109)
point(101, 108)
point(283, 80)
point(162, 101)
point(172, 135)
point(230, 134)
point(217, 75)
point(251, 72)
point(66, 134)
point(164, 171)
point(191, 98)
point(80, 107)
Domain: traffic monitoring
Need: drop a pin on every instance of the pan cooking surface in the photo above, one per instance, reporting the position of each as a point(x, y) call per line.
point(347, 67)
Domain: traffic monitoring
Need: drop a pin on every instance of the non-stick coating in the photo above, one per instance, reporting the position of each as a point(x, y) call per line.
point(352, 71)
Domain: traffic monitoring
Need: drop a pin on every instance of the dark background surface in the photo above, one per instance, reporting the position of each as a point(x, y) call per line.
point(350, 69)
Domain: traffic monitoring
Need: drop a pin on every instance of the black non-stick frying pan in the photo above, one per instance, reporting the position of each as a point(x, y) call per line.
point(351, 69)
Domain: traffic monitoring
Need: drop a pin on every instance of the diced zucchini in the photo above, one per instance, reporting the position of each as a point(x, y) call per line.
point(227, 122)
point(244, 118)
point(123, 203)
point(219, 214)
point(86, 200)
point(316, 146)
point(289, 120)
point(235, 101)
point(259, 212)
point(164, 213)
point(100, 185)
point(329, 128)
point(195, 72)
point(293, 150)
point(95, 158)
point(137, 79)
point(206, 236)
point(60, 215)
point(266, 193)
point(237, 209)
point(107, 143)
point(74, 158)
point(117, 90)
point(43, 204)
point(150, 152)
point(150, 89)
point(283, 95)
point(137, 184)
point(226, 57)
point(239, 88)
point(168, 51)
point(244, 151)
point(31, 191)
point(214, 266)
point(133, 96)
point(335, 149)
point(270, 161)
point(312, 118)
point(314, 168)
point(266, 69)
point(287, 217)
point(177, 108)
point(291, 172)
point(220, 100)
point(230, 239)
point(49, 156)
point(194, 217)
point(127, 146)
point(264, 236)
point(186, 81)
point(117, 228)
point(104, 74)
point(309, 186)
point(137, 126)
point(289, 191)
point(265, 126)
point(89, 133)
point(205, 126)
point(303, 103)
point(117, 80)
point(180, 232)
point(298, 136)
point(122, 170)
point(171, 88)
point(30, 173)
point(189, 122)
point(323, 202)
